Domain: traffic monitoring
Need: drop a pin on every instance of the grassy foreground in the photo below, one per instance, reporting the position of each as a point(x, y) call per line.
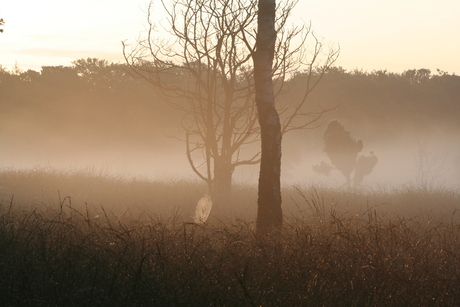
point(109, 241)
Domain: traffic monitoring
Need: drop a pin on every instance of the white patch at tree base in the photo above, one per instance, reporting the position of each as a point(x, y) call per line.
point(203, 209)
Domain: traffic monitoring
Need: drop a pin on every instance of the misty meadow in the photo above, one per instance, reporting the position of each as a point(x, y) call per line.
point(231, 164)
point(90, 238)
point(76, 233)
point(95, 113)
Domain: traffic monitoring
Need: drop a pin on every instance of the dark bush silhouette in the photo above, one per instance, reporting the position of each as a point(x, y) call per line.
point(364, 166)
point(341, 148)
point(343, 151)
point(323, 168)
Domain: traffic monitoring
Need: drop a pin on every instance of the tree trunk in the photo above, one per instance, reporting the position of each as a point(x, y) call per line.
point(222, 183)
point(269, 215)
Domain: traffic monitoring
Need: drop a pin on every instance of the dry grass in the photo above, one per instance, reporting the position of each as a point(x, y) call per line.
point(397, 248)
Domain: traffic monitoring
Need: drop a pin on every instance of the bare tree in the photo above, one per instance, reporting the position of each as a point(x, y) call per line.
point(203, 68)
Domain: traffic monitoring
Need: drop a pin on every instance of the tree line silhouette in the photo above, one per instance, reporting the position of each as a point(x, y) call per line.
point(94, 101)
point(383, 104)
point(91, 101)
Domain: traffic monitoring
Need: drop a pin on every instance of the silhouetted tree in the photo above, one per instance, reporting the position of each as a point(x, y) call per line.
point(269, 214)
point(343, 151)
point(341, 148)
point(205, 72)
point(91, 69)
point(101, 75)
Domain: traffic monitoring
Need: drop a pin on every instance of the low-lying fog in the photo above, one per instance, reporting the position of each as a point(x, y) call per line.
point(424, 160)
point(67, 118)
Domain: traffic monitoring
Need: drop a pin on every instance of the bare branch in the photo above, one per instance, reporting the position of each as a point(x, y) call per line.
point(204, 70)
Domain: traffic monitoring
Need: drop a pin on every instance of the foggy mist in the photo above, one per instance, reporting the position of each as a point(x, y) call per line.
point(57, 119)
point(137, 183)
point(410, 160)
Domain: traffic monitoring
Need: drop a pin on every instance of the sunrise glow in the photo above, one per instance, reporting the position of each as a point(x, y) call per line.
point(373, 35)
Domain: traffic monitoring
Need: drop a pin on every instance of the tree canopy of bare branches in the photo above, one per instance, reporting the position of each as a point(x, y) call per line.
point(200, 58)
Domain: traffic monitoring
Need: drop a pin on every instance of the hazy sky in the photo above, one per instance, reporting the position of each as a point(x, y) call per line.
point(373, 34)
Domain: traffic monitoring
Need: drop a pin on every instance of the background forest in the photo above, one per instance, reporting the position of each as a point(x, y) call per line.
point(94, 112)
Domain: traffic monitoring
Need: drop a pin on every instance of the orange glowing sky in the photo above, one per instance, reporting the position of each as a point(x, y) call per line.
point(373, 34)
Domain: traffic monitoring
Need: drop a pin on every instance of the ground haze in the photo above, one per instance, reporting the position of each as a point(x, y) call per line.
point(94, 114)
point(98, 203)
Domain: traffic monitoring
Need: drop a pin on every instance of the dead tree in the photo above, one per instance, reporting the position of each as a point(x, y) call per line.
point(200, 60)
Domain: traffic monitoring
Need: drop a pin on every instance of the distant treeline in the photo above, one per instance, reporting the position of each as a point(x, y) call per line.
point(94, 100)
point(383, 105)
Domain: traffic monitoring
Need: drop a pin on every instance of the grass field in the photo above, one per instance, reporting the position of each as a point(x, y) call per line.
point(90, 239)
